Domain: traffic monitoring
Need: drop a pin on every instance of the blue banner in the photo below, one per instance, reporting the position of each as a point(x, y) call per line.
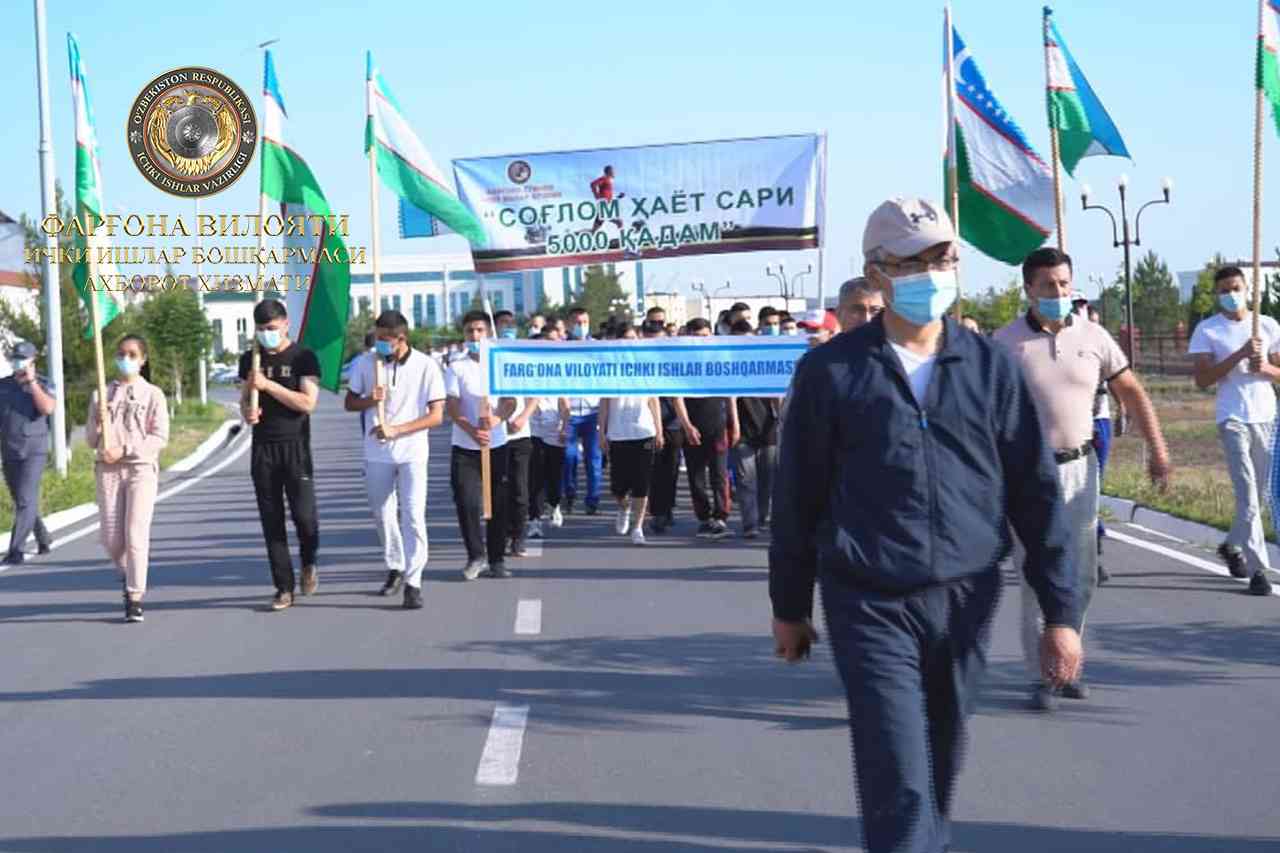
point(651, 367)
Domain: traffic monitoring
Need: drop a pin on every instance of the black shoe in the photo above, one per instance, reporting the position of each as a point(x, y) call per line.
point(719, 530)
point(12, 559)
point(705, 529)
point(1042, 698)
point(1234, 560)
point(498, 570)
point(658, 525)
point(412, 597)
point(1074, 690)
point(1259, 585)
point(592, 509)
point(395, 580)
point(132, 610)
point(1103, 576)
point(568, 506)
point(43, 549)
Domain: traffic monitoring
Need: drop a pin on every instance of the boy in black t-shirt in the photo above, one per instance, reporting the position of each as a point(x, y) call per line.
point(287, 386)
point(710, 428)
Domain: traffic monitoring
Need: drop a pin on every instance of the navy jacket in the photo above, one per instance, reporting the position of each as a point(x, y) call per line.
point(878, 492)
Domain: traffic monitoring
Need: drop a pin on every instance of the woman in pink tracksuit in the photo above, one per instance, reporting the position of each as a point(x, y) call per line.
point(128, 466)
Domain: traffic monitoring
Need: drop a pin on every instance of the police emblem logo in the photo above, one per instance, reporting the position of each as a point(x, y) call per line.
point(519, 171)
point(192, 132)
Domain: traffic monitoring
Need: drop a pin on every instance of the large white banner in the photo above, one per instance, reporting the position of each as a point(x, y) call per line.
point(649, 367)
point(571, 208)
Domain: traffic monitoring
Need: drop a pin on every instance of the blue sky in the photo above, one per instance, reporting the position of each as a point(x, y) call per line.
point(505, 77)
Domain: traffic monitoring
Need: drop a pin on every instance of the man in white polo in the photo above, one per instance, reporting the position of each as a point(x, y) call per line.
point(1064, 359)
point(396, 450)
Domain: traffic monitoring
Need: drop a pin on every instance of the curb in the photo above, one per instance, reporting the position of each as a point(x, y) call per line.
point(1193, 532)
point(65, 518)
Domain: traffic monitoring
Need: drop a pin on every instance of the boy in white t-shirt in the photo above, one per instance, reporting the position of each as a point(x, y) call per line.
point(396, 449)
point(1244, 368)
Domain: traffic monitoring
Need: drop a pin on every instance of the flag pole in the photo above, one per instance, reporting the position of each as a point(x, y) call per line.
point(204, 363)
point(375, 242)
point(104, 423)
point(953, 171)
point(1258, 115)
point(486, 462)
point(50, 281)
point(262, 247)
point(1059, 214)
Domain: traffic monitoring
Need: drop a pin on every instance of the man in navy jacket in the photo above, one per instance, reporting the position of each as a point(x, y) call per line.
point(909, 446)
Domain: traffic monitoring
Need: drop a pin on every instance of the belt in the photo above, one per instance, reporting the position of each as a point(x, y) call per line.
point(1062, 457)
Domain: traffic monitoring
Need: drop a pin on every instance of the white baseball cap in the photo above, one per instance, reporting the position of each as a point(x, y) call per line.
point(905, 227)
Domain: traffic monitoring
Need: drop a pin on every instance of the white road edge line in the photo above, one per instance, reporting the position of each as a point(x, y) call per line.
point(1151, 532)
point(1196, 562)
point(529, 616)
point(500, 761)
point(167, 493)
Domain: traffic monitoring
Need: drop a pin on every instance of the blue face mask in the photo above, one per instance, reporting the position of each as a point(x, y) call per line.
point(923, 298)
point(1054, 309)
point(473, 347)
point(578, 332)
point(127, 366)
point(771, 331)
point(508, 334)
point(269, 338)
point(792, 332)
point(386, 349)
point(1232, 301)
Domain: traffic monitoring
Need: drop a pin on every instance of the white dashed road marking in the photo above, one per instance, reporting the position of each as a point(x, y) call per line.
point(500, 761)
point(529, 616)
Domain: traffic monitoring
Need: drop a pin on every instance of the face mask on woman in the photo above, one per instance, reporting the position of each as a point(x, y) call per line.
point(127, 365)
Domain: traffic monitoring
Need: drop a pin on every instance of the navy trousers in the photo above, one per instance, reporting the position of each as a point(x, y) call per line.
point(22, 476)
point(911, 665)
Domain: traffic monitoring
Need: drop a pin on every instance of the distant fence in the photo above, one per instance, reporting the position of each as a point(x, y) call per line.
point(1165, 354)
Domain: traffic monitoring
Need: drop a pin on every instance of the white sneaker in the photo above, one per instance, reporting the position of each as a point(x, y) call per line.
point(622, 522)
point(637, 536)
point(557, 518)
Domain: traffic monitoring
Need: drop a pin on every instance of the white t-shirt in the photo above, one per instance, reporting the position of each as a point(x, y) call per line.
point(919, 370)
point(411, 388)
point(630, 419)
point(1242, 396)
point(527, 431)
point(465, 380)
point(545, 423)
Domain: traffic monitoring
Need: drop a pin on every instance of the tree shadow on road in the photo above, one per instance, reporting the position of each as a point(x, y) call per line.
point(570, 827)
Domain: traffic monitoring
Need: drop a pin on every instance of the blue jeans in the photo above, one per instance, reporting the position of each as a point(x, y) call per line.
point(911, 666)
point(1102, 446)
point(584, 428)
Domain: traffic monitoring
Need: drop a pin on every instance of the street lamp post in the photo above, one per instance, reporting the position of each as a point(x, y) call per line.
point(700, 286)
point(782, 280)
point(795, 279)
point(1127, 242)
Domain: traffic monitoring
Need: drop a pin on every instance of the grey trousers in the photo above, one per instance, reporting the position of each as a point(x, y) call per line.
point(753, 475)
point(1248, 450)
point(22, 476)
point(1079, 483)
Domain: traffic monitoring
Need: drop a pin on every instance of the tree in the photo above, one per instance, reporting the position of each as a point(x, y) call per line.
point(994, 308)
point(357, 327)
point(1156, 300)
point(1204, 300)
point(600, 289)
point(177, 333)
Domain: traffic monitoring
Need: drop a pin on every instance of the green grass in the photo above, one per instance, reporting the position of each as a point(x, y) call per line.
point(190, 426)
point(1200, 489)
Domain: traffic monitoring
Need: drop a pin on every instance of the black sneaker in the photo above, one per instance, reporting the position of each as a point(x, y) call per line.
point(43, 549)
point(395, 580)
point(719, 530)
point(132, 610)
point(1259, 585)
point(704, 530)
point(1234, 560)
point(1074, 690)
point(1103, 575)
point(498, 570)
point(12, 559)
point(412, 597)
point(592, 509)
point(1042, 698)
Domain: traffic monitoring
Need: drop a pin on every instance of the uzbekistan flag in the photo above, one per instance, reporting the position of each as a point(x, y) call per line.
point(404, 164)
point(1005, 189)
point(318, 313)
point(1084, 128)
point(89, 198)
point(1268, 49)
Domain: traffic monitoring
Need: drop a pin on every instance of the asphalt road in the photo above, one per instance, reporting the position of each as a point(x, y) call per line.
point(645, 715)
